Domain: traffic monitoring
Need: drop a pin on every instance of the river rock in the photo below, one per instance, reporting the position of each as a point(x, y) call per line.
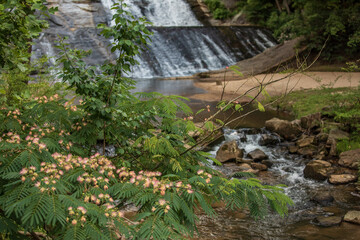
point(323, 198)
point(267, 139)
point(334, 136)
point(305, 141)
point(307, 151)
point(229, 151)
point(324, 221)
point(244, 167)
point(293, 149)
point(350, 159)
point(311, 121)
point(259, 166)
point(342, 178)
point(318, 170)
point(352, 216)
point(257, 155)
point(284, 128)
point(267, 163)
point(321, 138)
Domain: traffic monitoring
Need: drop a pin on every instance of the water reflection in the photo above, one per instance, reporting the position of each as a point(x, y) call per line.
point(167, 87)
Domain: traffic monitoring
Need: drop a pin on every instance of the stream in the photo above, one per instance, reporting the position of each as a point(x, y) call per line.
point(286, 169)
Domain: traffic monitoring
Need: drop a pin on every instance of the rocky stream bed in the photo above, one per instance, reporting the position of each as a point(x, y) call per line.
point(302, 156)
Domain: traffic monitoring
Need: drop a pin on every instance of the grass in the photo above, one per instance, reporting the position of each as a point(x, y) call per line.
point(326, 100)
point(342, 105)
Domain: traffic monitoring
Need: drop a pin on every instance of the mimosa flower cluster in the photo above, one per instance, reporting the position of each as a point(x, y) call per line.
point(76, 215)
point(45, 99)
point(150, 179)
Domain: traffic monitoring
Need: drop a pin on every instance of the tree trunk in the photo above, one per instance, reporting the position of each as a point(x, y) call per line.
point(278, 5)
point(286, 5)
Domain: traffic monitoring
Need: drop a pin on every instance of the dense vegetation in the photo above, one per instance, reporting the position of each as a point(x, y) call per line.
point(335, 22)
point(341, 105)
point(57, 182)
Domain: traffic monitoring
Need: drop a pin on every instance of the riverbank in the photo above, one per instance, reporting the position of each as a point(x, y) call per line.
point(281, 83)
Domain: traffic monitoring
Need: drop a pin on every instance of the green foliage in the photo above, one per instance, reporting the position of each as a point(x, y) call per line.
point(18, 26)
point(347, 145)
point(218, 9)
point(54, 180)
point(336, 21)
point(341, 104)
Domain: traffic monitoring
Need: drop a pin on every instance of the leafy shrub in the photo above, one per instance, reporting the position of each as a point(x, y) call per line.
point(218, 9)
point(54, 180)
point(333, 22)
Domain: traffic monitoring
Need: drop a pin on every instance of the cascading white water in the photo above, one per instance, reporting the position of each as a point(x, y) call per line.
point(181, 46)
point(288, 168)
point(163, 13)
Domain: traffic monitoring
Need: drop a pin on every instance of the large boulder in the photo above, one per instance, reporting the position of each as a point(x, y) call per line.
point(342, 178)
point(284, 128)
point(352, 216)
point(229, 151)
point(350, 159)
point(318, 170)
point(257, 155)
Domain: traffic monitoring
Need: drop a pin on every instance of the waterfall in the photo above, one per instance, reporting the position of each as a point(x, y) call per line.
point(182, 51)
point(180, 45)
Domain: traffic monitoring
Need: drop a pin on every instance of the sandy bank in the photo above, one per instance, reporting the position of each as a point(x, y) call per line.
point(299, 81)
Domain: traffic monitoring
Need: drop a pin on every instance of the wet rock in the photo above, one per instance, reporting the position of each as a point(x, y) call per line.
point(342, 178)
point(353, 217)
point(284, 128)
point(311, 121)
point(259, 166)
point(324, 221)
point(323, 198)
point(308, 151)
point(318, 170)
point(244, 167)
point(305, 141)
point(267, 139)
point(350, 159)
point(257, 155)
point(293, 149)
point(267, 163)
point(229, 151)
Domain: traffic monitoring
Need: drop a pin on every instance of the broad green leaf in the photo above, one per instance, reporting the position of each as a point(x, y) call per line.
point(261, 107)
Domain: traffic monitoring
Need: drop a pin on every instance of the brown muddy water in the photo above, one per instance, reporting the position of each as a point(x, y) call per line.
point(300, 224)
